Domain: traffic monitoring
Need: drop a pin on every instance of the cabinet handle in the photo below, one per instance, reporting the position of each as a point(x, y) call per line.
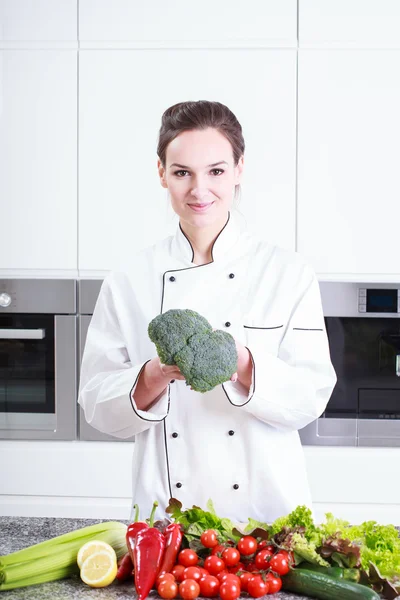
point(22, 334)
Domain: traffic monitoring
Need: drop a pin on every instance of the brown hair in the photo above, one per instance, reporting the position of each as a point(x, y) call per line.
point(200, 114)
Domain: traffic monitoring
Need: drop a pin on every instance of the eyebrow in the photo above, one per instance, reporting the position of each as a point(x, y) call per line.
point(212, 165)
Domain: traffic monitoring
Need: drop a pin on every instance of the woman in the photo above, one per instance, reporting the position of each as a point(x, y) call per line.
point(237, 444)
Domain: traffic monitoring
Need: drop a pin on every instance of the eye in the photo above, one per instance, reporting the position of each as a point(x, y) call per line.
point(181, 171)
point(220, 171)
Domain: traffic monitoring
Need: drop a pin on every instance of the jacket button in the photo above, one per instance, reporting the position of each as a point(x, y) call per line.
point(179, 485)
point(236, 486)
point(174, 435)
point(231, 432)
point(172, 278)
point(172, 381)
point(227, 324)
point(231, 275)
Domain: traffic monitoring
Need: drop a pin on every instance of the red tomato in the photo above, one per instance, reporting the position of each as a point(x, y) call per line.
point(221, 575)
point(244, 579)
point(189, 589)
point(279, 563)
point(218, 549)
point(167, 588)
point(289, 556)
point(236, 568)
point(262, 559)
point(266, 544)
point(209, 586)
point(275, 583)
point(214, 565)
point(164, 576)
point(188, 558)
point(251, 566)
point(209, 538)
point(204, 572)
point(228, 590)
point(257, 587)
point(191, 573)
point(177, 572)
point(230, 556)
point(230, 577)
point(247, 545)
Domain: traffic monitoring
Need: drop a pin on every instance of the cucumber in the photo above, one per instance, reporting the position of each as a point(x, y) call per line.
point(325, 587)
point(338, 572)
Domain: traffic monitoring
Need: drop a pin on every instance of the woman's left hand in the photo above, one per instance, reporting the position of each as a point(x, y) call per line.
point(244, 365)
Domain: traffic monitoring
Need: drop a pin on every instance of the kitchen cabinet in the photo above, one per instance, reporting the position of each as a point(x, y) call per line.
point(122, 95)
point(37, 22)
point(38, 159)
point(123, 23)
point(359, 23)
point(348, 161)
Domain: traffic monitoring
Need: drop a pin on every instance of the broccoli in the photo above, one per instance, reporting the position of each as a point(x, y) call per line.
point(206, 358)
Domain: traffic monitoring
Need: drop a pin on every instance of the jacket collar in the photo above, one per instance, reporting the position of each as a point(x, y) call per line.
point(224, 243)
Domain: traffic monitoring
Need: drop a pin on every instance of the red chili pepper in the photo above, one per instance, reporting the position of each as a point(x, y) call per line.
point(173, 539)
point(132, 531)
point(125, 568)
point(147, 557)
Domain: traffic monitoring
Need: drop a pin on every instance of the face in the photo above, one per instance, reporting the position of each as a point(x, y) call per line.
point(201, 176)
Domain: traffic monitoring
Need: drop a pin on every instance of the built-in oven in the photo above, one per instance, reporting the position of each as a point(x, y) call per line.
point(88, 291)
point(363, 326)
point(38, 359)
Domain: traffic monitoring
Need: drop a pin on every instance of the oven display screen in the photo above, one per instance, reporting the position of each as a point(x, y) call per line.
point(382, 301)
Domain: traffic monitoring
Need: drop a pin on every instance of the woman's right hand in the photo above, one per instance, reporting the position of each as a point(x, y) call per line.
point(158, 373)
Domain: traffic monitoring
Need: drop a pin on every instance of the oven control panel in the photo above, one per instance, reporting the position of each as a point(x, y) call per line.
point(371, 300)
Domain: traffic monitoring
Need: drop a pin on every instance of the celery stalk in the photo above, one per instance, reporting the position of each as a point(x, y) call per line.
point(79, 536)
point(50, 576)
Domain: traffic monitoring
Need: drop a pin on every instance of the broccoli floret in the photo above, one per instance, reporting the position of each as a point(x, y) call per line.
point(206, 358)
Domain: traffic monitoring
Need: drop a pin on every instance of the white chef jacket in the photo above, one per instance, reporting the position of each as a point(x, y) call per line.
point(240, 449)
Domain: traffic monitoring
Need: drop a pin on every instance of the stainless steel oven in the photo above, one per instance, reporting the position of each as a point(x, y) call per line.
point(38, 350)
point(363, 326)
point(88, 291)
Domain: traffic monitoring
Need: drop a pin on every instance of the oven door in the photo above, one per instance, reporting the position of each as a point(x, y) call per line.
point(38, 382)
point(86, 431)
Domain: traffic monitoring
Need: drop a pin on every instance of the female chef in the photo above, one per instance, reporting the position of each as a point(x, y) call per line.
point(237, 444)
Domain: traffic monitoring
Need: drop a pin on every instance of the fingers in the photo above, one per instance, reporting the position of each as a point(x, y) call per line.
point(234, 377)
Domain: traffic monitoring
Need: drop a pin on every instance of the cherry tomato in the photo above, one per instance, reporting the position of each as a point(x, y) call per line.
point(262, 559)
point(164, 576)
point(257, 587)
point(251, 566)
point(289, 556)
point(236, 568)
point(230, 577)
point(230, 556)
point(204, 572)
point(167, 588)
point(177, 572)
point(214, 565)
point(189, 589)
point(209, 586)
point(228, 590)
point(244, 579)
point(218, 549)
point(275, 583)
point(188, 558)
point(191, 573)
point(247, 545)
point(266, 544)
point(221, 575)
point(209, 538)
point(279, 563)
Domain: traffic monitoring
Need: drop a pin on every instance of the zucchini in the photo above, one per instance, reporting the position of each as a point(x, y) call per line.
point(325, 587)
point(338, 572)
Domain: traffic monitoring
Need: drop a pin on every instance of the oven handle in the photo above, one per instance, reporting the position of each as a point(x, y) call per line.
point(22, 334)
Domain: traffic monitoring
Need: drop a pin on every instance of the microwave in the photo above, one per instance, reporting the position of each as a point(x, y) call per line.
point(363, 326)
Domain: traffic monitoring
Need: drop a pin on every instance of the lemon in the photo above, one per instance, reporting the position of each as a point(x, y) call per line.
point(99, 569)
point(91, 548)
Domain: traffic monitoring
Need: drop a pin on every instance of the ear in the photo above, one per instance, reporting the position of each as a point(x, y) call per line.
point(161, 173)
point(239, 170)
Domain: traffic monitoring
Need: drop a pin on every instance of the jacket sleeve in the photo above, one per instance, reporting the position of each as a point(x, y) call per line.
point(292, 389)
point(108, 378)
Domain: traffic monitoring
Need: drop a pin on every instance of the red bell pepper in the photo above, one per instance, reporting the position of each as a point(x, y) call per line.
point(132, 531)
point(173, 539)
point(149, 547)
point(125, 568)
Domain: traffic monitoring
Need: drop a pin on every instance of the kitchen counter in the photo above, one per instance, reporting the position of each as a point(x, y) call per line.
point(19, 532)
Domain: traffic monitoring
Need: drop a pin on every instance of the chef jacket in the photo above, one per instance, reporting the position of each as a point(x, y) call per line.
point(238, 447)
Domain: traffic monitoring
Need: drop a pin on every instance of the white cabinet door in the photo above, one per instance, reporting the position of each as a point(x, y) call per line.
point(353, 23)
point(38, 159)
point(160, 23)
point(348, 160)
point(37, 21)
point(122, 206)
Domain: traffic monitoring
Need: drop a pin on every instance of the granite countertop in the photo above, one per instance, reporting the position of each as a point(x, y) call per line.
point(19, 532)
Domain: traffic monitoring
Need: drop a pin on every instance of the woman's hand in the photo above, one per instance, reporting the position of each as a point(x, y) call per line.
point(244, 366)
point(156, 372)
